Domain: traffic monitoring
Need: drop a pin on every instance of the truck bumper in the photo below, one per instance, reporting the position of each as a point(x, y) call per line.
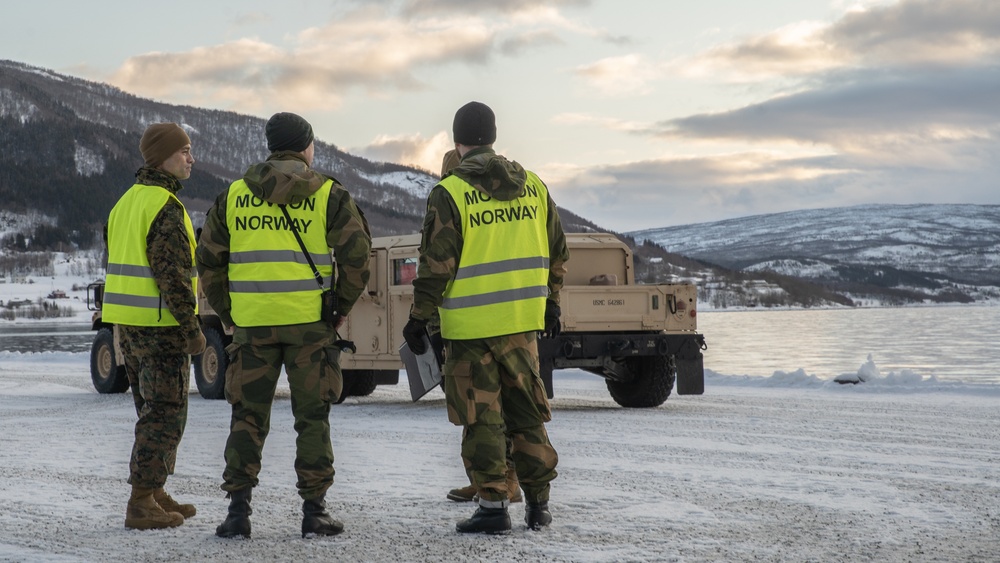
point(602, 352)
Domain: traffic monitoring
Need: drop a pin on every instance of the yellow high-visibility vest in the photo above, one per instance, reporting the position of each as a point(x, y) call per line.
point(270, 281)
point(130, 293)
point(502, 279)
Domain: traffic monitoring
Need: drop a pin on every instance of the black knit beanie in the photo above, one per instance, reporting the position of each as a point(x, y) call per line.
point(475, 125)
point(287, 132)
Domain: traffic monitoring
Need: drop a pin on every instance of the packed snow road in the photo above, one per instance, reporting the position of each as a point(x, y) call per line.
point(812, 472)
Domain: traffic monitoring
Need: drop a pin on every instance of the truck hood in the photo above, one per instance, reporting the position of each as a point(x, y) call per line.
point(492, 174)
point(283, 178)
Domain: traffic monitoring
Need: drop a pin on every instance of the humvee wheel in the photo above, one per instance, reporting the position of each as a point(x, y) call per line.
point(108, 376)
point(210, 366)
point(654, 379)
point(363, 383)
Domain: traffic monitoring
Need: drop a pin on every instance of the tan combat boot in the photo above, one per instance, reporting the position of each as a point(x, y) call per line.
point(143, 513)
point(464, 494)
point(168, 504)
point(513, 488)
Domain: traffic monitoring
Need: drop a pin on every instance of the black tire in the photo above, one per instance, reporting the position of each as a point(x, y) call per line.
point(362, 382)
point(654, 379)
point(107, 375)
point(210, 367)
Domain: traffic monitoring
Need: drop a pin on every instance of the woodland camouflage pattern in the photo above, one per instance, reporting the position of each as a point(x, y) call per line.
point(286, 178)
point(474, 393)
point(306, 350)
point(441, 243)
point(481, 375)
point(312, 364)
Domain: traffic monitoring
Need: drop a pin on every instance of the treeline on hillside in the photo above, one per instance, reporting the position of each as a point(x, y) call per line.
point(39, 171)
point(22, 264)
point(722, 287)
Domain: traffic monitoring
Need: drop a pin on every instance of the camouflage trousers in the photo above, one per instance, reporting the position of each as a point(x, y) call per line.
point(159, 374)
point(312, 365)
point(493, 388)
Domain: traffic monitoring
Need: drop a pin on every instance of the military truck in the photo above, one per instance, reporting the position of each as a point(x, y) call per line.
point(640, 338)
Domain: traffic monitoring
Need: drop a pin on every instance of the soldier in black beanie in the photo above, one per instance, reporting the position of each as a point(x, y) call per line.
point(488, 214)
point(253, 265)
point(287, 131)
point(475, 125)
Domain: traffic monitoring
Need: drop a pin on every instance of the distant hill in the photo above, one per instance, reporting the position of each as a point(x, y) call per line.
point(70, 149)
point(922, 249)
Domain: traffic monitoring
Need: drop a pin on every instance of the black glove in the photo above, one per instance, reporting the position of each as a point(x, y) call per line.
point(414, 333)
point(552, 314)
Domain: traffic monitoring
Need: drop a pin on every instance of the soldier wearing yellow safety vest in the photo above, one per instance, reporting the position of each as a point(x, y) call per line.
point(150, 298)
point(265, 261)
point(492, 261)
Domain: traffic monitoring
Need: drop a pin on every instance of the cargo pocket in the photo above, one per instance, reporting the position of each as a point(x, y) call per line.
point(234, 383)
point(331, 381)
point(459, 394)
point(539, 395)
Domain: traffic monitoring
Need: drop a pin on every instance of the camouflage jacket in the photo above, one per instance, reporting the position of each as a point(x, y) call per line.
point(169, 253)
point(286, 178)
point(441, 240)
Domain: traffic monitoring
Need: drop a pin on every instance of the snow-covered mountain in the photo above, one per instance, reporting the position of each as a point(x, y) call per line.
point(86, 134)
point(69, 151)
point(905, 245)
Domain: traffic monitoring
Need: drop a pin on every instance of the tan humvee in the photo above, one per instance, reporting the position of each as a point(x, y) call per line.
point(640, 338)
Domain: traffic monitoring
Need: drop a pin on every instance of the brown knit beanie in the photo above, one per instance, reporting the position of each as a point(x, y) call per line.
point(475, 125)
point(161, 141)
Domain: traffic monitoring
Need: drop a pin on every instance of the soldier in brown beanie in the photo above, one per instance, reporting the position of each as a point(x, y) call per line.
point(150, 298)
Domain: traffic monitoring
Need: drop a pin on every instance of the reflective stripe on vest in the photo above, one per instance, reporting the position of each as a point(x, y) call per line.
point(502, 279)
point(270, 281)
point(131, 296)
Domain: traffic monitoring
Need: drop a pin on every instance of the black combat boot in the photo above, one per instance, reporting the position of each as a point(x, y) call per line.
point(486, 521)
point(537, 515)
point(316, 520)
point(237, 523)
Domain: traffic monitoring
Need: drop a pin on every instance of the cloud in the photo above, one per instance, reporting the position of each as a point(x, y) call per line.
point(921, 31)
point(928, 119)
point(674, 191)
point(668, 191)
point(908, 32)
point(794, 49)
point(610, 123)
point(626, 75)
point(364, 50)
point(372, 49)
point(435, 7)
point(529, 41)
point(413, 150)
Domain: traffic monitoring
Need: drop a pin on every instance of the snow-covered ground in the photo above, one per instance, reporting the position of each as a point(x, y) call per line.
point(785, 468)
point(69, 271)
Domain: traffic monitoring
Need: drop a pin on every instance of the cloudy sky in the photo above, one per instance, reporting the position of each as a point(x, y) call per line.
point(637, 113)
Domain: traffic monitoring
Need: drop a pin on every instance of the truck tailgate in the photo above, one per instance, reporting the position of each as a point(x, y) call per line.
point(591, 308)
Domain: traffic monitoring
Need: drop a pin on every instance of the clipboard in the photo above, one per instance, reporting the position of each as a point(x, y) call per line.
point(423, 371)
